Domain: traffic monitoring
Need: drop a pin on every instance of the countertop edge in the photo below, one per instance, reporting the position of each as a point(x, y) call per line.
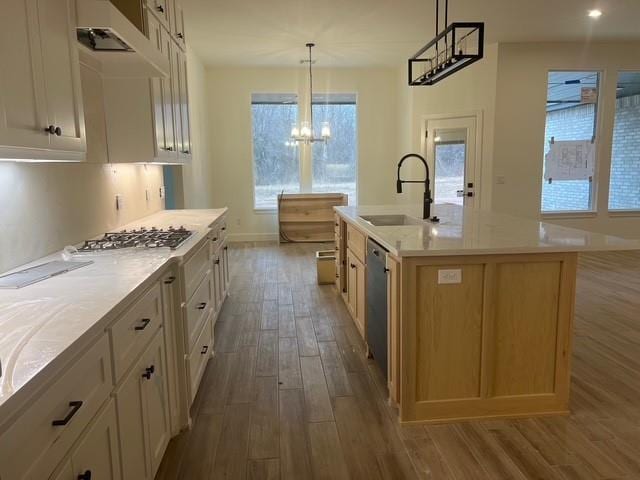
point(519, 250)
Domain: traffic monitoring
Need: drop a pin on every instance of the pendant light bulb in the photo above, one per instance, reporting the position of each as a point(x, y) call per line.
point(305, 131)
point(326, 131)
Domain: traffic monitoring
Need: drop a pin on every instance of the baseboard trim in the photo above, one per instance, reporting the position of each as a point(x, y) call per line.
point(253, 237)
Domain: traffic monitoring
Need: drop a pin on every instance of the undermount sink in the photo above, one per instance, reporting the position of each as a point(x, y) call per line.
point(391, 220)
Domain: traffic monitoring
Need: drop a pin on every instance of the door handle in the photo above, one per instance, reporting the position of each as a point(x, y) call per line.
point(75, 406)
point(459, 193)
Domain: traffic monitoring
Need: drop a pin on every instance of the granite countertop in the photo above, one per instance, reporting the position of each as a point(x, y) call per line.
point(467, 231)
point(42, 326)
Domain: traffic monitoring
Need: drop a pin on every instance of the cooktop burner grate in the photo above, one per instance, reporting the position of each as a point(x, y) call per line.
point(139, 238)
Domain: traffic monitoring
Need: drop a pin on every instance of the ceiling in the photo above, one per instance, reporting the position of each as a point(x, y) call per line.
point(383, 32)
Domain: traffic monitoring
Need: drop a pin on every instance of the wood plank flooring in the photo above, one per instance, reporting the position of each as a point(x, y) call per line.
point(290, 395)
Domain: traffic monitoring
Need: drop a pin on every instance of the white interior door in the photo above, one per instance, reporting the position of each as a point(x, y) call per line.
point(451, 155)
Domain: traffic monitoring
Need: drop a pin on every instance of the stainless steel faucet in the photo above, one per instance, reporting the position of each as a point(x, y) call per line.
point(427, 200)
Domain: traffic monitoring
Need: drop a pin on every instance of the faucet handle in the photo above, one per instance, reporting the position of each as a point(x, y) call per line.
point(399, 186)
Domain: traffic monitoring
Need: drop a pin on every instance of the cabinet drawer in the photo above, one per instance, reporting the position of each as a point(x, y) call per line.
point(195, 269)
point(133, 331)
point(197, 310)
point(198, 359)
point(356, 242)
point(41, 437)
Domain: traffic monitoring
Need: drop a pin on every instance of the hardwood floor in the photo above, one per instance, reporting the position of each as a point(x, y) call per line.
point(290, 394)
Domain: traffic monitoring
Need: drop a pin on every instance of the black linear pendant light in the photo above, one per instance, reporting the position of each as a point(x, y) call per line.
point(457, 46)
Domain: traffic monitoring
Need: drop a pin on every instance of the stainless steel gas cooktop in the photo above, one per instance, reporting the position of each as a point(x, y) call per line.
point(139, 238)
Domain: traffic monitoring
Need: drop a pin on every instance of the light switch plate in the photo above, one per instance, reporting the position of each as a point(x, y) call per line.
point(119, 201)
point(450, 276)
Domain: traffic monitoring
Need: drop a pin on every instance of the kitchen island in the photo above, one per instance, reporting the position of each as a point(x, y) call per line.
point(479, 307)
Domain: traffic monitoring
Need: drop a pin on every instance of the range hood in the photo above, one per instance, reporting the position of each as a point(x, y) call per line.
point(120, 48)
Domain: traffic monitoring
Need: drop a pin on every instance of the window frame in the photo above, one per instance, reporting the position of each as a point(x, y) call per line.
point(268, 210)
point(592, 211)
point(618, 212)
point(356, 103)
point(304, 152)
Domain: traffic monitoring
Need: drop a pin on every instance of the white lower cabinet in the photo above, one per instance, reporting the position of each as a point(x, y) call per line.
point(43, 435)
point(96, 455)
point(143, 414)
point(109, 415)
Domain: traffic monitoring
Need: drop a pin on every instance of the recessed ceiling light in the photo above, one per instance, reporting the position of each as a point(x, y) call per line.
point(595, 13)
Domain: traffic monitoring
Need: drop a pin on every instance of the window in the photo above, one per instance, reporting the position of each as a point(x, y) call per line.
point(277, 160)
point(624, 187)
point(570, 134)
point(276, 165)
point(450, 159)
point(334, 163)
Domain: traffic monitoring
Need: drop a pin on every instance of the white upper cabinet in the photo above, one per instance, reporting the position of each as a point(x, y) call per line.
point(177, 23)
point(41, 112)
point(162, 95)
point(185, 151)
point(161, 9)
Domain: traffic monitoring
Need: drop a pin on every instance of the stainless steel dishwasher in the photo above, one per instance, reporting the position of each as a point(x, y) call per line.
point(377, 303)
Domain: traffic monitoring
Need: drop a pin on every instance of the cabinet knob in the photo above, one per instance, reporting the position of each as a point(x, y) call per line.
point(148, 372)
point(181, 36)
point(386, 270)
point(217, 262)
point(85, 476)
point(53, 130)
point(226, 247)
point(160, 8)
point(187, 152)
point(169, 149)
point(205, 349)
point(170, 280)
point(353, 265)
point(202, 306)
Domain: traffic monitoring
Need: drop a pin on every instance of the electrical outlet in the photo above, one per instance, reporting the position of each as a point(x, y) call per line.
point(162, 192)
point(500, 180)
point(119, 201)
point(447, 277)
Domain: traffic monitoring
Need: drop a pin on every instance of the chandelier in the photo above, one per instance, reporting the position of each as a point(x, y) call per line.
point(459, 45)
point(304, 133)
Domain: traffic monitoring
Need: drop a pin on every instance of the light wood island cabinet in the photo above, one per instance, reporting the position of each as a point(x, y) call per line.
point(492, 341)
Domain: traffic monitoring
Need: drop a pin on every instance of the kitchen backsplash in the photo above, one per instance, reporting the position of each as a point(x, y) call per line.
point(44, 207)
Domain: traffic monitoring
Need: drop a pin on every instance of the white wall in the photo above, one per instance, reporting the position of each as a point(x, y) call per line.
point(228, 93)
point(470, 91)
point(198, 175)
point(520, 121)
point(44, 207)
